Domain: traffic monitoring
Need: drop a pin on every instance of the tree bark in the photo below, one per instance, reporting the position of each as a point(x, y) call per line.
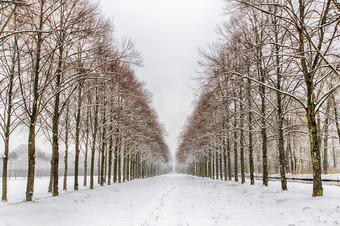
point(128, 167)
point(264, 134)
point(94, 139)
point(209, 159)
point(15, 58)
point(221, 166)
point(66, 147)
point(315, 150)
point(77, 140)
point(225, 160)
point(55, 139)
point(311, 110)
point(98, 161)
point(235, 146)
point(243, 175)
point(334, 155)
point(119, 165)
point(102, 176)
point(110, 151)
point(115, 166)
point(216, 164)
point(7, 134)
point(31, 160)
point(87, 131)
point(250, 135)
point(336, 116)
point(280, 115)
point(55, 123)
point(34, 110)
point(229, 159)
point(325, 140)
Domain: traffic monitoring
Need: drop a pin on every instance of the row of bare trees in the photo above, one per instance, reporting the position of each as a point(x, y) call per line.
point(269, 93)
point(64, 74)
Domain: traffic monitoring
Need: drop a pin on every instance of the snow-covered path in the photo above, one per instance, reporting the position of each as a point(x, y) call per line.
point(179, 200)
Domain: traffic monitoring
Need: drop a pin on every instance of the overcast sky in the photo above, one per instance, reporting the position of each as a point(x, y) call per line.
point(168, 33)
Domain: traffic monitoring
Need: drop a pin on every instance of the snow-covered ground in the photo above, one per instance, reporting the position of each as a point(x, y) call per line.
point(308, 176)
point(17, 188)
point(176, 200)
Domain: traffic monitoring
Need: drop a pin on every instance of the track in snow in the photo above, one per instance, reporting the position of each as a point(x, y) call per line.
point(158, 210)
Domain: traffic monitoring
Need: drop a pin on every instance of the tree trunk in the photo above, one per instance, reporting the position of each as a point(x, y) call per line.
point(138, 166)
point(235, 149)
point(336, 116)
point(102, 176)
point(77, 141)
point(128, 167)
point(66, 147)
point(325, 141)
point(132, 167)
point(264, 136)
point(250, 135)
point(87, 131)
point(280, 115)
point(7, 131)
point(310, 111)
point(98, 162)
point(243, 175)
point(109, 175)
point(94, 139)
point(290, 151)
point(225, 160)
point(55, 142)
point(5, 160)
point(115, 166)
point(315, 150)
point(9, 108)
point(216, 167)
point(55, 126)
point(282, 158)
point(50, 185)
point(229, 159)
point(334, 157)
point(142, 169)
point(31, 160)
point(119, 164)
point(221, 167)
point(34, 111)
point(209, 166)
point(105, 163)
point(6, 142)
point(124, 165)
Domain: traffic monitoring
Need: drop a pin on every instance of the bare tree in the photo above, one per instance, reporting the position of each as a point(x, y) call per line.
point(10, 71)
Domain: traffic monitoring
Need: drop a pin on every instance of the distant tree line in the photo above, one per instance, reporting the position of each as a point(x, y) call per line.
point(269, 98)
point(64, 74)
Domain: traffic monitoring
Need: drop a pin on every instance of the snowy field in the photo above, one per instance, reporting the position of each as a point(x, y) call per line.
point(173, 199)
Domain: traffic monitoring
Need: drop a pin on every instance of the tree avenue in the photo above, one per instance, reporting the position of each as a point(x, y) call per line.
point(270, 86)
point(64, 75)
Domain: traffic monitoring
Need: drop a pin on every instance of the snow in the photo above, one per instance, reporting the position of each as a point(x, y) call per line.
point(310, 176)
point(176, 200)
point(17, 188)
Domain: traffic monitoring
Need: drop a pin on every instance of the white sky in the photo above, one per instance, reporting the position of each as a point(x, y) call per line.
point(168, 34)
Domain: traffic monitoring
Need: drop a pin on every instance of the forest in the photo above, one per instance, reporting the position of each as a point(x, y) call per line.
point(97, 128)
point(269, 95)
point(64, 76)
